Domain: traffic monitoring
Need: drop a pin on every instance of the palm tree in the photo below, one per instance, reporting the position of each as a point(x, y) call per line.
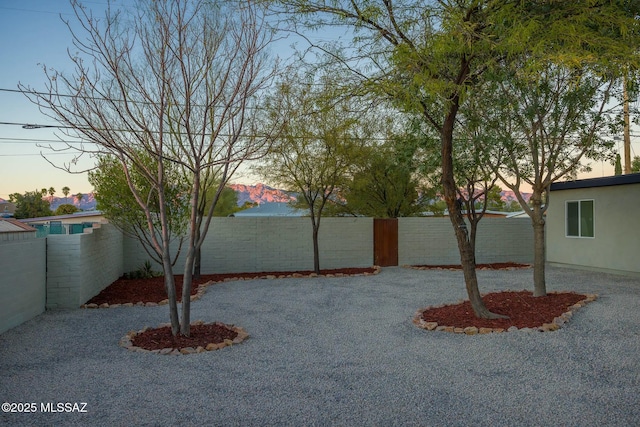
point(51, 192)
point(79, 197)
point(65, 191)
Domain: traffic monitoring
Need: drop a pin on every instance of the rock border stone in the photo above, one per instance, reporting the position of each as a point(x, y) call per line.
point(556, 324)
point(126, 341)
point(202, 288)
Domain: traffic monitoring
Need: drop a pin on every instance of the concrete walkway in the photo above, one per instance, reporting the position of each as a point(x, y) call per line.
point(336, 352)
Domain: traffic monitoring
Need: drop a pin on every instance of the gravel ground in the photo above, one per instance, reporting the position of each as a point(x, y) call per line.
point(336, 352)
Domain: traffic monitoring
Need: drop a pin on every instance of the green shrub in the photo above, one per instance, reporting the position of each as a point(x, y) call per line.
point(144, 272)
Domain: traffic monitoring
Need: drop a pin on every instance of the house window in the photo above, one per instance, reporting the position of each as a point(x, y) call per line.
point(580, 218)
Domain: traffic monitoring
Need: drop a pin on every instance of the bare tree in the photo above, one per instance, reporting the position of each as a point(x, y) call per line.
point(177, 82)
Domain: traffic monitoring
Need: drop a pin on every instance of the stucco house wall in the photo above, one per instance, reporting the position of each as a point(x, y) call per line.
point(615, 246)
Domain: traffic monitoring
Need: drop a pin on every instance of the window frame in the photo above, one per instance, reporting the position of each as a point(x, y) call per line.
point(579, 203)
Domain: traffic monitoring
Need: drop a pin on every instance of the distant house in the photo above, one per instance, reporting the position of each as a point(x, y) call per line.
point(519, 214)
point(271, 209)
point(595, 224)
point(10, 225)
point(65, 224)
point(7, 209)
point(75, 218)
point(487, 214)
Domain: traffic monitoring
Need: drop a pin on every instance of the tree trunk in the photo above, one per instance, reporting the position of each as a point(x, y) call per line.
point(197, 262)
point(316, 249)
point(187, 283)
point(170, 287)
point(467, 255)
point(538, 222)
point(187, 277)
point(468, 261)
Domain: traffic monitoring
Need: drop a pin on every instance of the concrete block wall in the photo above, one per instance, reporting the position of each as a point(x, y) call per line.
point(262, 244)
point(79, 266)
point(431, 241)
point(503, 240)
point(65, 271)
point(23, 279)
point(423, 241)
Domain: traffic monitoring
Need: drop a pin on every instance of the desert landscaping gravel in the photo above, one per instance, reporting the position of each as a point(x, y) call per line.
point(339, 351)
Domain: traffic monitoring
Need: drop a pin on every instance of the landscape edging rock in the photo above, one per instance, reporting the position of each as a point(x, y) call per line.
point(126, 341)
point(202, 287)
point(556, 324)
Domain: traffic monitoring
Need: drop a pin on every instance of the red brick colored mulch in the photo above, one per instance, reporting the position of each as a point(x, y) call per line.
point(124, 291)
point(491, 266)
point(200, 336)
point(524, 310)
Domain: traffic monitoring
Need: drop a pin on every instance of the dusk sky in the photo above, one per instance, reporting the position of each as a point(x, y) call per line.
point(33, 35)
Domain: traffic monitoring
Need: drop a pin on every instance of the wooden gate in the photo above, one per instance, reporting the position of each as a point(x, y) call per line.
point(385, 242)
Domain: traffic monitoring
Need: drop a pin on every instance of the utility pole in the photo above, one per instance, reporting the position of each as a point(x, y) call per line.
point(627, 135)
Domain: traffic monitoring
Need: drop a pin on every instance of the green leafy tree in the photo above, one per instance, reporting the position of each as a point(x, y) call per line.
point(315, 150)
point(617, 170)
point(118, 204)
point(227, 203)
point(386, 183)
point(635, 164)
point(30, 205)
point(428, 56)
point(66, 209)
point(550, 125)
point(494, 199)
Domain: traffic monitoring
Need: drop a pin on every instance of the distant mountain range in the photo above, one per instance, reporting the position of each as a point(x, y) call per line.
point(509, 196)
point(87, 203)
point(258, 193)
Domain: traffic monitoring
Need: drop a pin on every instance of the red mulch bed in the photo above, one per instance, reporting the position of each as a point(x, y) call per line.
point(200, 335)
point(491, 266)
point(152, 290)
point(524, 310)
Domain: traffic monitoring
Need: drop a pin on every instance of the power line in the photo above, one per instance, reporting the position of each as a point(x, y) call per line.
point(33, 140)
point(34, 11)
point(34, 154)
point(19, 9)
